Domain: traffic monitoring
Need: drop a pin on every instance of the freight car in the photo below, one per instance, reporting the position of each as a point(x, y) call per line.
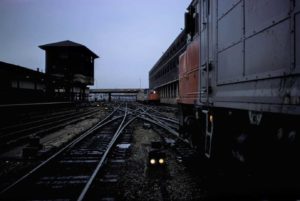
point(240, 98)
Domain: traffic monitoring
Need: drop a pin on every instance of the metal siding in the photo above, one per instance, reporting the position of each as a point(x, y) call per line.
point(268, 47)
point(188, 77)
point(203, 42)
point(297, 38)
point(182, 71)
point(269, 50)
point(230, 28)
point(272, 95)
point(182, 64)
point(193, 55)
point(264, 91)
point(260, 14)
point(225, 5)
point(286, 109)
point(230, 66)
point(204, 49)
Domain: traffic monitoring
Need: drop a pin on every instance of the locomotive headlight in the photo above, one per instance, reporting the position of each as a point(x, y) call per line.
point(161, 161)
point(152, 161)
point(154, 92)
point(211, 118)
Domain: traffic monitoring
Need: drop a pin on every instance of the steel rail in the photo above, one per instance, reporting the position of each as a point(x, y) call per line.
point(71, 144)
point(165, 121)
point(120, 129)
point(48, 130)
point(48, 125)
point(40, 120)
point(156, 118)
point(161, 113)
point(170, 130)
point(169, 119)
point(87, 187)
point(100, 164)
point(145, 112)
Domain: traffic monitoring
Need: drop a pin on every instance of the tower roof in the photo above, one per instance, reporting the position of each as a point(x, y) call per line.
point(67, 43)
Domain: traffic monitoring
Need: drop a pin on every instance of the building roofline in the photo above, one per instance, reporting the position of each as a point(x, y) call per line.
point(67, 43)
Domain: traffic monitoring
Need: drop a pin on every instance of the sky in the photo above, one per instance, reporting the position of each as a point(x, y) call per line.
point(128, 35)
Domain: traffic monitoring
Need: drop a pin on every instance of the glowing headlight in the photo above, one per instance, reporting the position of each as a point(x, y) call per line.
point(211, 118)
point(152, 161)
point(161, 161)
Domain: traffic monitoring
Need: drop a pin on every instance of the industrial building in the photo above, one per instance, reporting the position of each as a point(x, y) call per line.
point(163, 77)
point(19, 84)
point(69, 71)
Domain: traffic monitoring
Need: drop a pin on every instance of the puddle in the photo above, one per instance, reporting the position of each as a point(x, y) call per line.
point(123, 146)
point(170, 141)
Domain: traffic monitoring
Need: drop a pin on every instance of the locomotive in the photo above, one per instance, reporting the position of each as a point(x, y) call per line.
point(153, 97)
point(239, 83)
point(148, 96)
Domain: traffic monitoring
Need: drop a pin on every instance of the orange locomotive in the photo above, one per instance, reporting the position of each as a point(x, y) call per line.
point(188, 74)
point(153, 97)
point(189, 77)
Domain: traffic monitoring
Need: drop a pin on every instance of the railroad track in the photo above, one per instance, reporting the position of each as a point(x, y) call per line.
point(181, 147)
point(20, 134)
point(164, 123)
point(35, 120)
point(88, 166)
point(161, 124)
point(69, 173)
point(106, 185)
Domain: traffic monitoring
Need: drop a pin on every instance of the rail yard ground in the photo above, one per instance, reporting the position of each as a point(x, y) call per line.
point(140, 182)
point(126, 173)
point(137, 181)
point(12, 163)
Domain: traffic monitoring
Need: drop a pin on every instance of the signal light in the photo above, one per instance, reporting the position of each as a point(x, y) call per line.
point(152, 161)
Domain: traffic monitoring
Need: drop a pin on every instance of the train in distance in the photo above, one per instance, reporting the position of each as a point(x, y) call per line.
point(148, 96)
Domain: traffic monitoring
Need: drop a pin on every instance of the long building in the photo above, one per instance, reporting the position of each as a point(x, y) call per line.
point(163, 77)
point(20, 84)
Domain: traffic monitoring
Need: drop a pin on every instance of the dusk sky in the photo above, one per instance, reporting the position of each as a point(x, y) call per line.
point(128, 35)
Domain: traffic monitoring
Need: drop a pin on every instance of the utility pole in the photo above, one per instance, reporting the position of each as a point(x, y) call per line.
point(140, 84)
